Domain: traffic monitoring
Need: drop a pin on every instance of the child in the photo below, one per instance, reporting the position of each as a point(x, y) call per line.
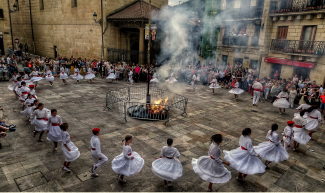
point(35, 77)
point(77, 76)
point(281, 101)
point(131, 76)
point(272, 150)
point(154, 79)
point(287, 135)
point(90, 75)
point(171, 79)
point(128, 162)
point(40, 118)
point(13, 87)
point(32, 91)
point(314, 120)
point(63, 75)
point(299, 134)
point(235, 88)
point(49, 77)
point(168, 167)
point(250, 84)
point(111, 74)
point(193, 81)
point(98, 157)
point(53, 128)
point(214, 84)
point(70, 151)
point(29, 102)
point(292, 96)
point(210, 168)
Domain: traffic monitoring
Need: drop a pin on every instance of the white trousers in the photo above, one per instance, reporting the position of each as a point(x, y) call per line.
point(291, 101)
point(193, 85)
point(286, 143)
point(98, 162)
point(256, 97)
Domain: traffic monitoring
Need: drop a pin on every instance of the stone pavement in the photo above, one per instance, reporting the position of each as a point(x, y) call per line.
point(28, 165)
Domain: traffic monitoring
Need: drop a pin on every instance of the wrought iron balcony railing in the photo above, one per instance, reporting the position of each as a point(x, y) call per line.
point(296, 5)
point(235, 40)
point(298, 46)
point(253, 12)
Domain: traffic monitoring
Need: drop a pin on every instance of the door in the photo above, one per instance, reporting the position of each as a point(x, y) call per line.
point(307, 39)
point(224, 59)
point(237, 60)
point(55, 52)
point(1, 46)
point(301, 71)
point(274, 68)
point(281, 37)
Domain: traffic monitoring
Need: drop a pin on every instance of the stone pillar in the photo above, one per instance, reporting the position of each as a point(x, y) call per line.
point(128, 48)
point(141, 46)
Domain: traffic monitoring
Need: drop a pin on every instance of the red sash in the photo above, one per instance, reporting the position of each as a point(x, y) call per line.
point(55, 124)
point(257, 90)
point(313, 117)
point(169, 157)
point(15, 81)
point(287, 136)
point(63, 73)
point(129, 154)
point(298, 126)
point(36, 75)
point(280, 98)
point(271, 141)
point(25, 93)
point(43, 119)
point(77, 73)
point(243, 148)
point(93, 149)
point(212, 157)
point(34, 97)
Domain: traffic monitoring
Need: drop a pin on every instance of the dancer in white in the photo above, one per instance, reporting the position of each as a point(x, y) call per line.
point(193, 81)
point(287, 135)
point(154, 79)
point(70, 151)
point(292, 96)
point(49, 77)
point(111, 75)
point(211, 168)
point(235, 88)
point(35, 77)
point(272, 150)
point(63, 75)
point(29, 103)
point(26, 78)
point(214, 84)
point(90, 75)
point(258, 87)
point(96, 153)
point(314, 120)
point(35, 106)
point(171, 79)
point(40, 118)
point(32, 91)
point(77, 76)
point(131, 77)
point(302, 107)
point(281, 101)
point(168, 167)
point(23, 93)
point(299, 134)
point(244, 159)
point(53, 128)
point(14, 86)
point(128, 162)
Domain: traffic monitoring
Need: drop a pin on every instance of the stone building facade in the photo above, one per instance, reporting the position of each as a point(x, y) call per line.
point(68, 26)
point(5, 33)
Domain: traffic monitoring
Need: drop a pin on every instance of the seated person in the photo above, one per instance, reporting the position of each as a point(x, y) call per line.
point(4, 127)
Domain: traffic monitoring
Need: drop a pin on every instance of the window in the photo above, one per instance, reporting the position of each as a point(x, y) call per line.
point(1, 13)
point(308, 33)
point(74, 3)
point(230, 4)
point(41, 4)
point(282, 32)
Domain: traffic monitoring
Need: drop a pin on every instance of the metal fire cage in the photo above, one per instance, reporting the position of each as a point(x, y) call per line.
point(131, 102)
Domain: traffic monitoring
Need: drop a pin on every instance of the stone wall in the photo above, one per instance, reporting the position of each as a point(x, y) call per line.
point(5, 26)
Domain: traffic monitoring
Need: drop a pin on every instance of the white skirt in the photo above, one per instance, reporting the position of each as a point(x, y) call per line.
point(244, 162)
point(281, 103)
point(54, 133)
point(312, 124)
point(127, 167)
point(236, 91)
point(40, 124)
point(214, 86)
point(300, 136)
point(154, 80)
point(171, 80)
point(70, 155)
point(77, 77)
point(90, 76)
point(63, 76)
point(36, 79)
point(111, 76)
point(167, 169)
point(27, 112)
point(211, 170)
point(271, 152)
point(14, 86)
point(49, 78)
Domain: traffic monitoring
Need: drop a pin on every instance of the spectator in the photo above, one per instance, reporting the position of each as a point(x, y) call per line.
point(322, 100)
point(4, 127)
point(11, 51)
point(19, 53)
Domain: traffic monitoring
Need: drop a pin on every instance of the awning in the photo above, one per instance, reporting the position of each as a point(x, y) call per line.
point(289, 62)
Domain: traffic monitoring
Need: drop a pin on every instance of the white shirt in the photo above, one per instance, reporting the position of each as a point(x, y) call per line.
point(62, 70)
point(274, 137)
point(34, 73)
point(246, 142)
point(282, 95)
point(127, 151)
point(95, 144)
point(65, 137)
point(29, 101)
point(236, 84)
point(89, 71)
point(215, 151)
point(315, 113)
point(49, 73)
point(257, 85)
point(57, 120)
point(303, 107)
point(14, 77)
point(287, 131)
point(26, 77)
point(131, 73)
point(193, 78)
point(169, 152)
point(299, 121)
point(39, 114)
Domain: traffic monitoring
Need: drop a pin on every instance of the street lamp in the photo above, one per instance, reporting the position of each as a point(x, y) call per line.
point(95, 18)
point(100, 22)
point(15, 9)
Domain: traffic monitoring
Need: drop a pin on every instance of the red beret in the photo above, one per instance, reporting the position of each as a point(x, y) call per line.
point(31, 86)
point(290, 122)
point(258, 80)
point(96, 130)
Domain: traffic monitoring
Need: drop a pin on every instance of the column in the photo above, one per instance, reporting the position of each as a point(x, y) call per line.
point(141, 46)
point(128, 48)
point(118, 38)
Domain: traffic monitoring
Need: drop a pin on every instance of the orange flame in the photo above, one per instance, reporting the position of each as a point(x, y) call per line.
point(159, 105)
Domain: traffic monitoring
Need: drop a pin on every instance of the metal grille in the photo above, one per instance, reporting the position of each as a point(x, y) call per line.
point(296, 5)
point(299, 46)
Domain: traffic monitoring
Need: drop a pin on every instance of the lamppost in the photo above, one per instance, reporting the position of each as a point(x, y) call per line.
point(100, 22)
point(10, 11)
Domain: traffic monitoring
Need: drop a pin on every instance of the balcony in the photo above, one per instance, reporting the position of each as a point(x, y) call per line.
point(295, 6)
point(254, 41)
point(298, 47)
point(242, 14)
point(235, 40)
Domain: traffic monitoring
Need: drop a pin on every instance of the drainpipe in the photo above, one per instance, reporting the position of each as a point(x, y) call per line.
point(31, 25)
point(12, 36)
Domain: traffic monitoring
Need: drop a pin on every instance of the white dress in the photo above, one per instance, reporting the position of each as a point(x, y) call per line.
point(77, 75)
point(168, 167)
point(63, 75)
point(26, 79)
point(23, 93)
point(28, 111)
point(33, 92)
point(214, 84)
point(49, 76)
point(313, 120)
point(123, 164)
point(244, 159)
point(90, 74)
point(236, 90)
point(272, 150)
point(35, 76)
point(40, 118)
point(154, 78)
point(211, 168)
point(287, 135)
point(53, 125)
point(69, 155)
point(299, 134)
point(111, 75)
point(300, 108)
point(171, 79)
point(131, 77)
point(281, 101)
point(14, 85)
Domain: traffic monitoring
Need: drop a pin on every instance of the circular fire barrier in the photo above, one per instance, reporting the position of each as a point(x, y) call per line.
point(131, 102)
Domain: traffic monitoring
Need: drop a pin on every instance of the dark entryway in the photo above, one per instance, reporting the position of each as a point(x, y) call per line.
point(274, 68)
point(301, 71)
point(1, 46)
